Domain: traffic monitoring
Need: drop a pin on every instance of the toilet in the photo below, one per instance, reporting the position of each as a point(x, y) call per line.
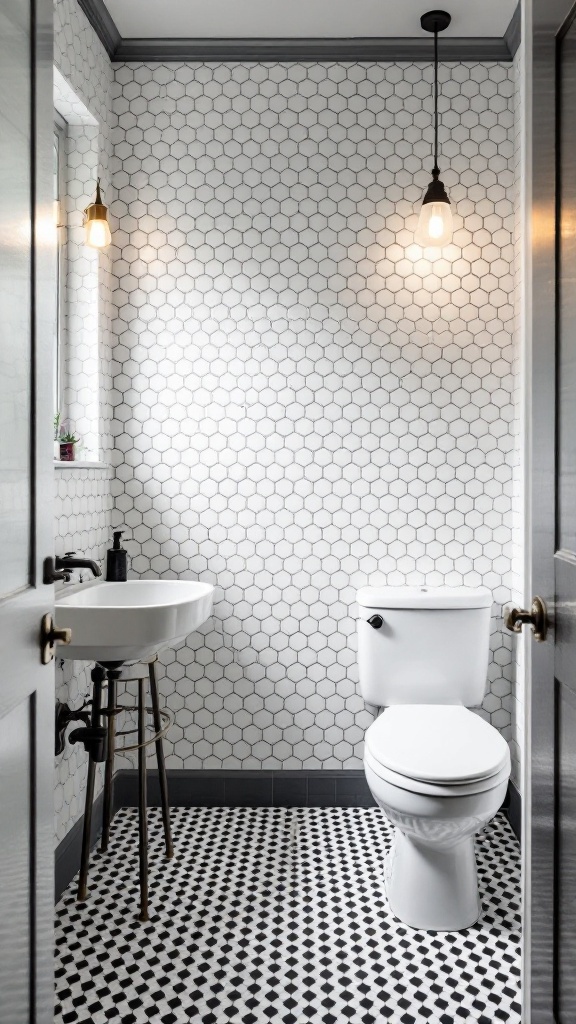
point(437, 770)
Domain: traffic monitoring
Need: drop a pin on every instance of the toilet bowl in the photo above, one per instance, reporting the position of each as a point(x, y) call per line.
point(430, 872)
point(436, 768)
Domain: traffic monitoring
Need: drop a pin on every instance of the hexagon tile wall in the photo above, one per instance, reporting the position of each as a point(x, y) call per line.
point(303, 402)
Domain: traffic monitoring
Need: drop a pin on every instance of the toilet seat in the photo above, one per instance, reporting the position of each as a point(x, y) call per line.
point(432, 748)
point(417, 787)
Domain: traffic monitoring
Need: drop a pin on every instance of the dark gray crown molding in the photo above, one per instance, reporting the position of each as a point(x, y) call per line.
point(354, 49)
point(102, 23)
point(316, 50)
point(513, 34)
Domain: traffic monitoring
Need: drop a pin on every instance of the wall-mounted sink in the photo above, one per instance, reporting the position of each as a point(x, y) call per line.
point(118, 622)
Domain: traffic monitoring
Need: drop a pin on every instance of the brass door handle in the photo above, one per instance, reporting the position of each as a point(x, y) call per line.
point(50, 635)
point(537, 617)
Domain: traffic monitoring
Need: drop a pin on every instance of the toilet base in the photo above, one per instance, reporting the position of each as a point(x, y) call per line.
point(432, 888)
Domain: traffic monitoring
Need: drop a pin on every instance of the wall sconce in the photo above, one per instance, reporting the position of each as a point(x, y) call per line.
point(96, 226)
point(435, 221)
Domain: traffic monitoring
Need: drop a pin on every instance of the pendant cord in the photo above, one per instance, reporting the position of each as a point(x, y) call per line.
point(436, 170)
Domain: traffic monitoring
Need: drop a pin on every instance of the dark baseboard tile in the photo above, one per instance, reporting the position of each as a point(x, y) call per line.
point(221, 788)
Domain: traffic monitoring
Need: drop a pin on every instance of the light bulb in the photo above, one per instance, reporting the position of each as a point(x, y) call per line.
point(97, 233)
point(434, 225)
point(96, 227)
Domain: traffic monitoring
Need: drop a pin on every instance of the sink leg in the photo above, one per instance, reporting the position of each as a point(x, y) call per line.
point(97, 679)
point(82, 894)
point(142, 809)
point(160, 762)
point(109, 770)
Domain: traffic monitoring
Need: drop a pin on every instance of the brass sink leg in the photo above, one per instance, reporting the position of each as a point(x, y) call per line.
point(142, 809)
point(98, 675)
point(85, 859)
point(160, 760)
point(109, 770)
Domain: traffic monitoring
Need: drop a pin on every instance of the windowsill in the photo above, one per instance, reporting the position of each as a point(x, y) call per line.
point(79, 464)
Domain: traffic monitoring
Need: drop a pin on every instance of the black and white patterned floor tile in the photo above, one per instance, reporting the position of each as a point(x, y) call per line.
point(279, 915)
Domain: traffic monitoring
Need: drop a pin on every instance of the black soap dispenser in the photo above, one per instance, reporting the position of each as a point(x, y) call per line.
point(117, 560)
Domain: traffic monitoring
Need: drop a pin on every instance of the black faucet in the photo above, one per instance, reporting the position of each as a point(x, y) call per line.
point(68, 561)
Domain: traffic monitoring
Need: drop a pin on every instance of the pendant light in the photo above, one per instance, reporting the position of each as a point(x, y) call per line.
point(435, 221)
point(96, 227)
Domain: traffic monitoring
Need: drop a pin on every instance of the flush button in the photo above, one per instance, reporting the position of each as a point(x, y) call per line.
point(376, 621)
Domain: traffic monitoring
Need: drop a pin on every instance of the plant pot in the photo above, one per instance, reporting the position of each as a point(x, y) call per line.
point(67, 451)
point(57, 451)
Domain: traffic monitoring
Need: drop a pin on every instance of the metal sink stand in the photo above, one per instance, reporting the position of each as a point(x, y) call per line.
point(109, 676)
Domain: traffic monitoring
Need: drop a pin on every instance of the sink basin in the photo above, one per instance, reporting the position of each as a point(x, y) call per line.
point(132, 620)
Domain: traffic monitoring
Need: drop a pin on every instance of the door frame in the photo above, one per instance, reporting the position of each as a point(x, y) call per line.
point(541, 21)
point(42, 473)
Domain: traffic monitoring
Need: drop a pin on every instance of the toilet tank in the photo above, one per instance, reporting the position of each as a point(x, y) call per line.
point(431, 646)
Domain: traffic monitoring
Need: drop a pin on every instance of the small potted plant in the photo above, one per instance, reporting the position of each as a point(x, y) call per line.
point(57, 436)
point(66, 441)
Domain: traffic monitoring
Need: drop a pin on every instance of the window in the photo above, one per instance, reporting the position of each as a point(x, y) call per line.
point(60, 214)
point(77, 363)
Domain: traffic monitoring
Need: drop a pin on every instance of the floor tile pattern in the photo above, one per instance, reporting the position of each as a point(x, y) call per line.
point(276, 914)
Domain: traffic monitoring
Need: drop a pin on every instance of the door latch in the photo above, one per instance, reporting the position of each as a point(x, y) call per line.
point(50, 635)
point(537, 617)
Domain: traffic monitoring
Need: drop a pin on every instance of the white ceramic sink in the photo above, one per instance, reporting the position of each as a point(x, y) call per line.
point(131, 620)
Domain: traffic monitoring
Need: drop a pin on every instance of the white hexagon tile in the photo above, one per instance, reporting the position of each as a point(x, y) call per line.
point(304, 401)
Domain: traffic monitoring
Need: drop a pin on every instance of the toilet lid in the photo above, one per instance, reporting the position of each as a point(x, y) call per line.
point(437, 743)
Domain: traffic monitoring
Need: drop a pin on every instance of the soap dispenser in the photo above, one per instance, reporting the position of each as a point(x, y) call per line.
point(117, 560)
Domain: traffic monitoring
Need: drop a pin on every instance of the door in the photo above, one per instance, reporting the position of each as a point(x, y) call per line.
point(26, 685)
point(565, 555)
point(550, 320)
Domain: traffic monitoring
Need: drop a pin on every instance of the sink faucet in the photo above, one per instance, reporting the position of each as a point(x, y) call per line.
point(68, 561)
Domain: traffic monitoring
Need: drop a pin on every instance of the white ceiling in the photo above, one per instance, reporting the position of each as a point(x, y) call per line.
point(237, 19)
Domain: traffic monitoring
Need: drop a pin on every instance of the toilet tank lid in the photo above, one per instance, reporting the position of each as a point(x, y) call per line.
point(424, 597)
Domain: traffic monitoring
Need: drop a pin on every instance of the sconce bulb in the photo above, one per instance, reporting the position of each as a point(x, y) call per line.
point(434, 225)
point(97, 234)
point(96, 228)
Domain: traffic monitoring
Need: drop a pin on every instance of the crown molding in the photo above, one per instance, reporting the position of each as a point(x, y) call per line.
point(103, 24)
point(121, 50)
point(306, 50)
point(513, 34)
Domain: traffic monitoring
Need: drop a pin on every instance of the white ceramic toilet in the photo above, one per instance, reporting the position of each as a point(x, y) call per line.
point(438, 770)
